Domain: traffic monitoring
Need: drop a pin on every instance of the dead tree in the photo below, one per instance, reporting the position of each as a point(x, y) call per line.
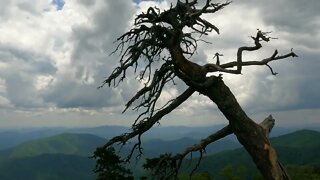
point(169, 37)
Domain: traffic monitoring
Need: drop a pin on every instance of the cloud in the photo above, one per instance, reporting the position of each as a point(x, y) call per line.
point(53, 59)
point(19, 69)
point(256, 89)
point(62, 60)
point(291, 16)
point(295, 24)
point(89, 60)
point(51, 62)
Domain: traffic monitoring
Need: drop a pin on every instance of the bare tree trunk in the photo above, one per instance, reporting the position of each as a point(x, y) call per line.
point(153, 32)
point(252, 136)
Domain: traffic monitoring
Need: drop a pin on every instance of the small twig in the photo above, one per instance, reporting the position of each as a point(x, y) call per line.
point(272, 72)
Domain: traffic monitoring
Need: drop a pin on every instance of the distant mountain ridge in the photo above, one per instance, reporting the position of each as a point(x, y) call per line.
point(48, 167)
point(57, 154)
point(302, 138)
point(65, 156)
point(298, 148)
point(85, 144)
point(12, 137)
point(67, 143)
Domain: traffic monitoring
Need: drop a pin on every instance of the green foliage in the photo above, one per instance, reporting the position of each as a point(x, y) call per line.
point(60, 157)
point(80, 144)
point(305, 172)
point(48, 167)
point(310, 172)
point(110, 166)
point(215, 163)
point(294, 148)
point(301, 147)
point(197, 176)
point(296, 172)
point(231, 173)
point(161, 167)
point(40, 164)
point(298, 139)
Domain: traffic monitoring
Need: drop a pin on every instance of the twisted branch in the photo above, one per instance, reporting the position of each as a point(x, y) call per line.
point(145, 125)
point(260, 36)
point(161, 164)
point(153, 32)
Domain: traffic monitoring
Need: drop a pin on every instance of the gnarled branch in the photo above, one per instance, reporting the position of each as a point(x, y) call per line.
point(267, 124)
point(260, 36)
point(155, 31)
point(145, 125)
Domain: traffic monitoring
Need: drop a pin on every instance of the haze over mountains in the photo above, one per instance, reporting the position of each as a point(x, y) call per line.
point(61, 153)
point(63, 156)
point(13, 137)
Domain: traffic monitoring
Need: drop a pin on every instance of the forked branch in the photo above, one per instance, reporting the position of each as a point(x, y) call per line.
point(145, 125)
point(155, 31)
point(161, 164)
point(260, 36)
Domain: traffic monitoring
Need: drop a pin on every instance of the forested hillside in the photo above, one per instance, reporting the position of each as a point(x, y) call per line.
point(299, 151)
point(66, 156)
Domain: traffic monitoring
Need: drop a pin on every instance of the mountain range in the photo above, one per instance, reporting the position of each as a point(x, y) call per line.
point(299, 148)
point(66, 155)
point(12, 137)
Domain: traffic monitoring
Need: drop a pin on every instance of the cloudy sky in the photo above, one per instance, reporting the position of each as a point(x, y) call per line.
point(54, 55)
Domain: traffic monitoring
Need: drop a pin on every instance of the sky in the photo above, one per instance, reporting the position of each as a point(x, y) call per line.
point(54, 55)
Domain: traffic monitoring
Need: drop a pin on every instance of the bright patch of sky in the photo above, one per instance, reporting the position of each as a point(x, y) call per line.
point(59, 4)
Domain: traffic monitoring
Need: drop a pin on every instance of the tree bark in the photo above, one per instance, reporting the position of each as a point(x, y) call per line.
point(155, 31)
point(251, 135)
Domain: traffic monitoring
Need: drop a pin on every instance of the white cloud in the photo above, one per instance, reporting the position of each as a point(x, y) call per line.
point(42, 82)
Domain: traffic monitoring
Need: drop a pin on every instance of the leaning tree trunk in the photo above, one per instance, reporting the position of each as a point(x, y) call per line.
point(252, 136)
point(155, 31)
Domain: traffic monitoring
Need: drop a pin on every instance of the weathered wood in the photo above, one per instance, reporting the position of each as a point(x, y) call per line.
point(250, 134)
point(155, 31)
